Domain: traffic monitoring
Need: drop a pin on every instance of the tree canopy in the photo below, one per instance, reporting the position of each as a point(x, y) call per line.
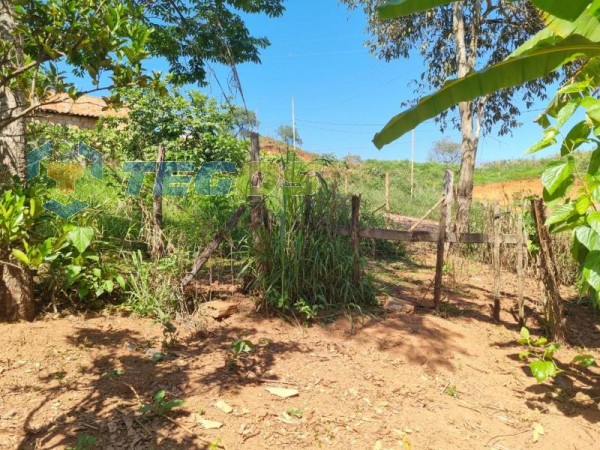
point(493, 29)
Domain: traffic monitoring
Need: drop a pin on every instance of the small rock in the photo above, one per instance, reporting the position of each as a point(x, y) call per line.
point(283, 393)
point(130, 346)
point(218, 309)
point(223, 406)
point(210, 424)
point(394, 304)
point(583, 399)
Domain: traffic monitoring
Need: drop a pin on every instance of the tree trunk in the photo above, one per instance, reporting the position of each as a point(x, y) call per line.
point(465, 60)
point(16, 292)
point(157, 245)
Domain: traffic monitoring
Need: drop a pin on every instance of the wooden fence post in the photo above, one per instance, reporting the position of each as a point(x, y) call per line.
point(256, 207)
point(157, 244)
point(520, 270)
point(387, 192)
point(355, 238)
point(445, 214)
point(552, 304)
point(496, 263)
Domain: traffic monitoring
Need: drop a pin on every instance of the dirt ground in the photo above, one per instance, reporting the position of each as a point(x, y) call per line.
point(405, 381)
point(506, 192)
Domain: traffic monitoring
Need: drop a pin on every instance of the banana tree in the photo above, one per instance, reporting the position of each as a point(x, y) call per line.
point(572, 33)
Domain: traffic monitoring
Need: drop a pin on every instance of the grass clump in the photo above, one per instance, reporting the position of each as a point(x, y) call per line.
point(298, 263)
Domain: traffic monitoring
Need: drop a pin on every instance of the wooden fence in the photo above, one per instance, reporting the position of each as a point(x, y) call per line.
point(443, 237)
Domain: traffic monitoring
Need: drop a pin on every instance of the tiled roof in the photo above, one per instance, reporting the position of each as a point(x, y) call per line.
point(86, 106)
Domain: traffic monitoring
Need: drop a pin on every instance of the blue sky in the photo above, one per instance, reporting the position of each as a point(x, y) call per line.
point(342, 93)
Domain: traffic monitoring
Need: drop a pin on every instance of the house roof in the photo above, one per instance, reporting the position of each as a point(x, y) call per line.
point(85, 106)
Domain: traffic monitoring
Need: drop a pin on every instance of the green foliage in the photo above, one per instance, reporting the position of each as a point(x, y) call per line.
point(543, 365)
point(299, 264)
point(152, 287)
point(295, 412)
point(192, 126)
point(286, 134)
point(451, 391)
point(573, 34)
point(160, 406)
point(430, 33)
point(84, 442)
point(445, 151)
point(190, 33)
point(18, 213)
point(575, 210)
point(241, 346)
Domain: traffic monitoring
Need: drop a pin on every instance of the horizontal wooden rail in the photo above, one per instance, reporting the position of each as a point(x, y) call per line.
point(427, 236)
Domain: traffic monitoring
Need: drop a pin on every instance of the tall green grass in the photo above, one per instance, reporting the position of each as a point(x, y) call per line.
point(299, 264)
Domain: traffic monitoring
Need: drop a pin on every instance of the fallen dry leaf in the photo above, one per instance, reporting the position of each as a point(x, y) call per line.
point(282, 392)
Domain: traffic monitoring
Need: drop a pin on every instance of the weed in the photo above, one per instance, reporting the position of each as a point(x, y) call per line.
point(451, 391)
point(216, 445)
point(84, 442)
point(160, 406)
point(238, 348)
point(295, 412)
point(543, 365)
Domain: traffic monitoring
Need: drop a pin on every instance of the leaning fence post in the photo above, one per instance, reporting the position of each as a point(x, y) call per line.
point(496, 263)
point(553, 302)
point(255, 200)
point(355, 237)
point(520, 269)
point(445, 214)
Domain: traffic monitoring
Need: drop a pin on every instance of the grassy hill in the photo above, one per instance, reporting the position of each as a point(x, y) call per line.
point(368, 179)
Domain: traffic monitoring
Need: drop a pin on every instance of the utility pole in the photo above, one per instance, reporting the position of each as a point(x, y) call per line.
point(293, 125)
point(412, 163)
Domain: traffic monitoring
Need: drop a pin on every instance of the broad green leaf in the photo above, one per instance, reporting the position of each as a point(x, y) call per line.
point(594, 164)
point(536, 63)
point(584, 361)
point(548, 140)
point(591, 269)
point(524, 355)
point(582, 204)
point(558, 174)
point(588, 238)
point(593, 220)
point(566, 112)
point(108, 286)
point(399, 8)
point(540, 341)
point(561, 214)
point(566, 9)
point(525, 333)
point(159, 396)
point(577, 135)
point(569, 10)
point(550, 350)
point(578, 251)
point(120, 281)
point(176, 403)
point(586, 25)
point(542, 370)
point(81, 238)
point(20, 256)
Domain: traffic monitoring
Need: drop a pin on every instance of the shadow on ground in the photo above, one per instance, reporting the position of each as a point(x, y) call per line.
point(125, 377)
